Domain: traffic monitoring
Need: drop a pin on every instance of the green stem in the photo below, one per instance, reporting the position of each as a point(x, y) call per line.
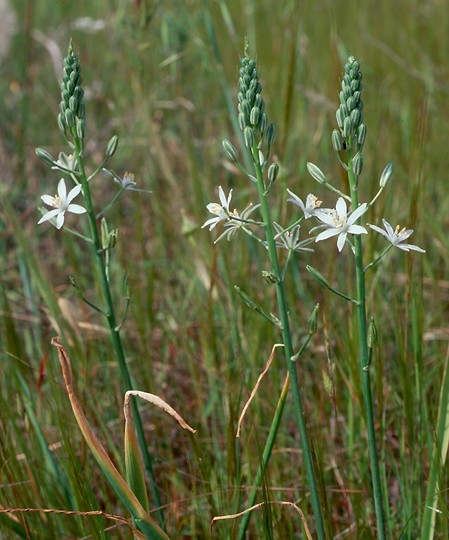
point(364, 364)
point(291, 366)
point(126, 382)
point(439, 455)
point(266, 454)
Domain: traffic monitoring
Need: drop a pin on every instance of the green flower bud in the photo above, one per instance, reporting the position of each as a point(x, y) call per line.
point(112, 146)
point(229, 149)
point(356, 117)
point(361, 135)
point(349, 114)
point(262, 123)
point(61, 124)
point(247, 299)
point(347, 127)
point(318, 276)
point(250, 91)
point(357, 164)
point(316, 173)
point(270, 134)
point(245, 108)
point(273, 171)
point(69, 118)
point(80, 128)
point(242, 123)
point(386, 175)
point(340, 115)
point(44, 155)
point(337, 141)
point(248, 135)
point(254, 116)
point(73, 104)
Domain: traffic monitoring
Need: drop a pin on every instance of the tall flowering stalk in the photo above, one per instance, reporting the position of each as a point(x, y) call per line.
point(72, 124)
point(259, 136)
point(348, 141)
point(353, 133)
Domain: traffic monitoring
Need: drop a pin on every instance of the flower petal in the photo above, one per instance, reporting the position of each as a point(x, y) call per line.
point(60, 220)
point(389, 229)
point(357, 229)
point(341, 241)
point(295, 200)
point(357, 213)
point(73, 193)
point(212, 222)
point(410, 247)
point(328, 233)
point(48, 200)
point(341, 208)
point(379, 230)
point(76, 209)
point(62, 190)
point(49, 215)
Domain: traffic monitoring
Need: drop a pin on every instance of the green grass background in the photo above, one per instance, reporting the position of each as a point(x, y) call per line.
point(163, 76)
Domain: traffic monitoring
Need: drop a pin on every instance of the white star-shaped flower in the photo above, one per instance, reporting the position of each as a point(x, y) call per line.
point(221, 211)
point(237, 221)
point(61, 203)
point(65, 161)
point(397, 237)
point(311, 208)
point(290, 239)
point(340, 223)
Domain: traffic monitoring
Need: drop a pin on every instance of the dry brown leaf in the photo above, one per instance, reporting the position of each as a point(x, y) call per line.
point(259, 505)
point(254, 391)
point(154, 400)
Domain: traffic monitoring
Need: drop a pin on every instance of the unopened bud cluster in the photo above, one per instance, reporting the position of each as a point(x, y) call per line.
point(252, 117)
point(72, 112)
point(349, 113)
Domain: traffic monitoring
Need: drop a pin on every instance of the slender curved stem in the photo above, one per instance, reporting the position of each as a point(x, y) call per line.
point(126, 382)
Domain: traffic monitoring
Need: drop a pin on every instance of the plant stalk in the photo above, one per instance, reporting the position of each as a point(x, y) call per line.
point(291, 367)
point(364, 364)
point(116, 340)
